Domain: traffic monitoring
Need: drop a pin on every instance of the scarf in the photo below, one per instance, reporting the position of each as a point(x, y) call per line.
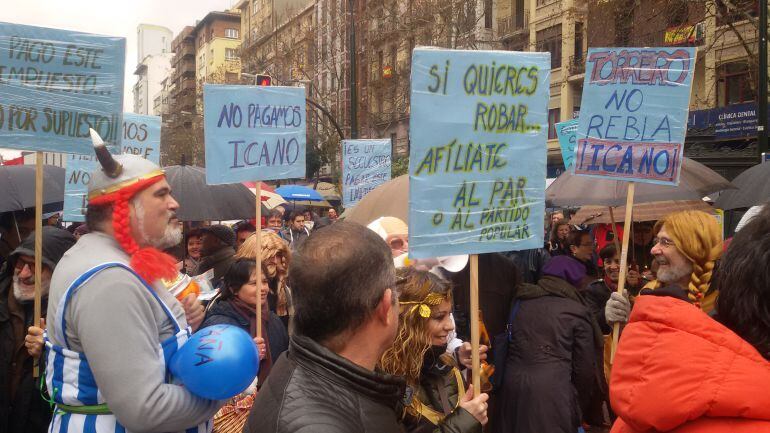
point(249, 313)
point(610, 284)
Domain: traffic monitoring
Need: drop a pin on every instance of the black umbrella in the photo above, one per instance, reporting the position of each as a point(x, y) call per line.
point(17, 187)
point(201, 202)
point(695, 182)
point(753, 189)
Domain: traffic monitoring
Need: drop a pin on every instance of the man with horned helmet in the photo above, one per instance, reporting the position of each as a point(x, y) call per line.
point(112, 326)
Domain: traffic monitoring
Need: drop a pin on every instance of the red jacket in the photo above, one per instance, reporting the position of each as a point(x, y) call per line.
point(678, 370)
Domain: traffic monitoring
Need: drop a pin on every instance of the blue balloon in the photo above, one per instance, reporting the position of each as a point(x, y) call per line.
point(217, 362)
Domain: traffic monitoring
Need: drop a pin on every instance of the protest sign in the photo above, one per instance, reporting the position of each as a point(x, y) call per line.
point(633, 116)
point(365, 166)
point(253, 133)
point(478, 151)
point(141, 136)
point(565, 132)
point(55, 85)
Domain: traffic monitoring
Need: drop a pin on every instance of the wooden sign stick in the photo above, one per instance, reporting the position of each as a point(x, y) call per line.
point(623, 263)
point(476, 364)
point(615, 239)
point(258, 234)
point(38, 247)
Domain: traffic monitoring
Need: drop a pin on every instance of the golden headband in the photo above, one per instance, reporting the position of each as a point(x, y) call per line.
point(423, 307)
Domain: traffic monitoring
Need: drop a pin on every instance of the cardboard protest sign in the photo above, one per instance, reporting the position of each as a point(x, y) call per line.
point(365, 166)
point(478, 151)
point(565, 132)
point(55, 85)
point(633, 117)
point(253, 133)
point(141, 136)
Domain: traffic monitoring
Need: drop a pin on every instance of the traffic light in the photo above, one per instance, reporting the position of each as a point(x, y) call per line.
point(264, 80)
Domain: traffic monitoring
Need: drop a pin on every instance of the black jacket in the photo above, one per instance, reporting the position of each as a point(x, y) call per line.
point(552, 372)
point(596, 296)
point(498, 278)
point(22, 408)
point(220, 261)
point(223, 312)
point(312, 390)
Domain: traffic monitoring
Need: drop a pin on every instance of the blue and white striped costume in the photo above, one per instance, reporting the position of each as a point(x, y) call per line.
point(69, 378)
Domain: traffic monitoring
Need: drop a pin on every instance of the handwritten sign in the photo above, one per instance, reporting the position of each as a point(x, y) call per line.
point(365, 166)
point(477, 164)
point(141, 136)
point(55, 84)
point(253, 133)
point(634, 113)
point(565, 132)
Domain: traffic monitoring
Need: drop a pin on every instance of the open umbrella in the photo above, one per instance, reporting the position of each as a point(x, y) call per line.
point(753, 189)
point(389, 199)
point(17, 187)
point(298, 193)
point(328, 191)
point(201, 202)
point(642, 212)
point(695, 182)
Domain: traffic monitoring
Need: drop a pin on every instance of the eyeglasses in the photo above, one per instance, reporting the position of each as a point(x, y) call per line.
point(665, 242)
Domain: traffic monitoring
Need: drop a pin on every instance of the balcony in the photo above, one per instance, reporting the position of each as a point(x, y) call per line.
point(577, 65)
point(510, 26)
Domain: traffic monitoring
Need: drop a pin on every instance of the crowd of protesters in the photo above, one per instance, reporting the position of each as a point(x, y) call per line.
point(357, 337)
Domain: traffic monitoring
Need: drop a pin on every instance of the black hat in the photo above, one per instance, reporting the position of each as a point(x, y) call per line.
point(221, 232)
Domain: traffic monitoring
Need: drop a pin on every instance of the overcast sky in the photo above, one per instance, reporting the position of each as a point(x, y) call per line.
point(109, 17)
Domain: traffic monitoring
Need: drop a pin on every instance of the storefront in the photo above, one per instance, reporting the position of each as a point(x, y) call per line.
point(724, 139)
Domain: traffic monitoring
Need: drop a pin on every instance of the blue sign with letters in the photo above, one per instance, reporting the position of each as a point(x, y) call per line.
point(55, 85)
point(365, 166)
point(633, 117)
point(565, 132)
point(477, 167)
point(253, 133)
point(141, 136)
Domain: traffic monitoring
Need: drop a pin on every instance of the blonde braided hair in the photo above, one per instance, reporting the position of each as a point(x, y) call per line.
point(696, 235)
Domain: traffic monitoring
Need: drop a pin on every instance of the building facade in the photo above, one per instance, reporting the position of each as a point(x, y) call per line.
point(217, 44)
point(153, 65)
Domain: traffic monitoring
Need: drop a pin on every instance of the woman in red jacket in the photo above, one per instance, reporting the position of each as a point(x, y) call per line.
point(679, 370)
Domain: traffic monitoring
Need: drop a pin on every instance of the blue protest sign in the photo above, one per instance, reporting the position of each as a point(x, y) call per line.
point(565, 132)
point(76, 177)
point(55, 85)
point(365, 166)
point(141, 136)
point(253, 133)
point(633, 117)
point(477, 164)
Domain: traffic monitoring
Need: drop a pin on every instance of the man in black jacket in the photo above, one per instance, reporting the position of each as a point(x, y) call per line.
point(217, 251)
point(346, 317)
point(22, 409)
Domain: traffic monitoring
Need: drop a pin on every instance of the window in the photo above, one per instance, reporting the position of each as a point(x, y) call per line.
point(554, 117)
point(231, 54)
point(736, 84)
point(550, 40)
point(736, 10)
point(578, 41)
